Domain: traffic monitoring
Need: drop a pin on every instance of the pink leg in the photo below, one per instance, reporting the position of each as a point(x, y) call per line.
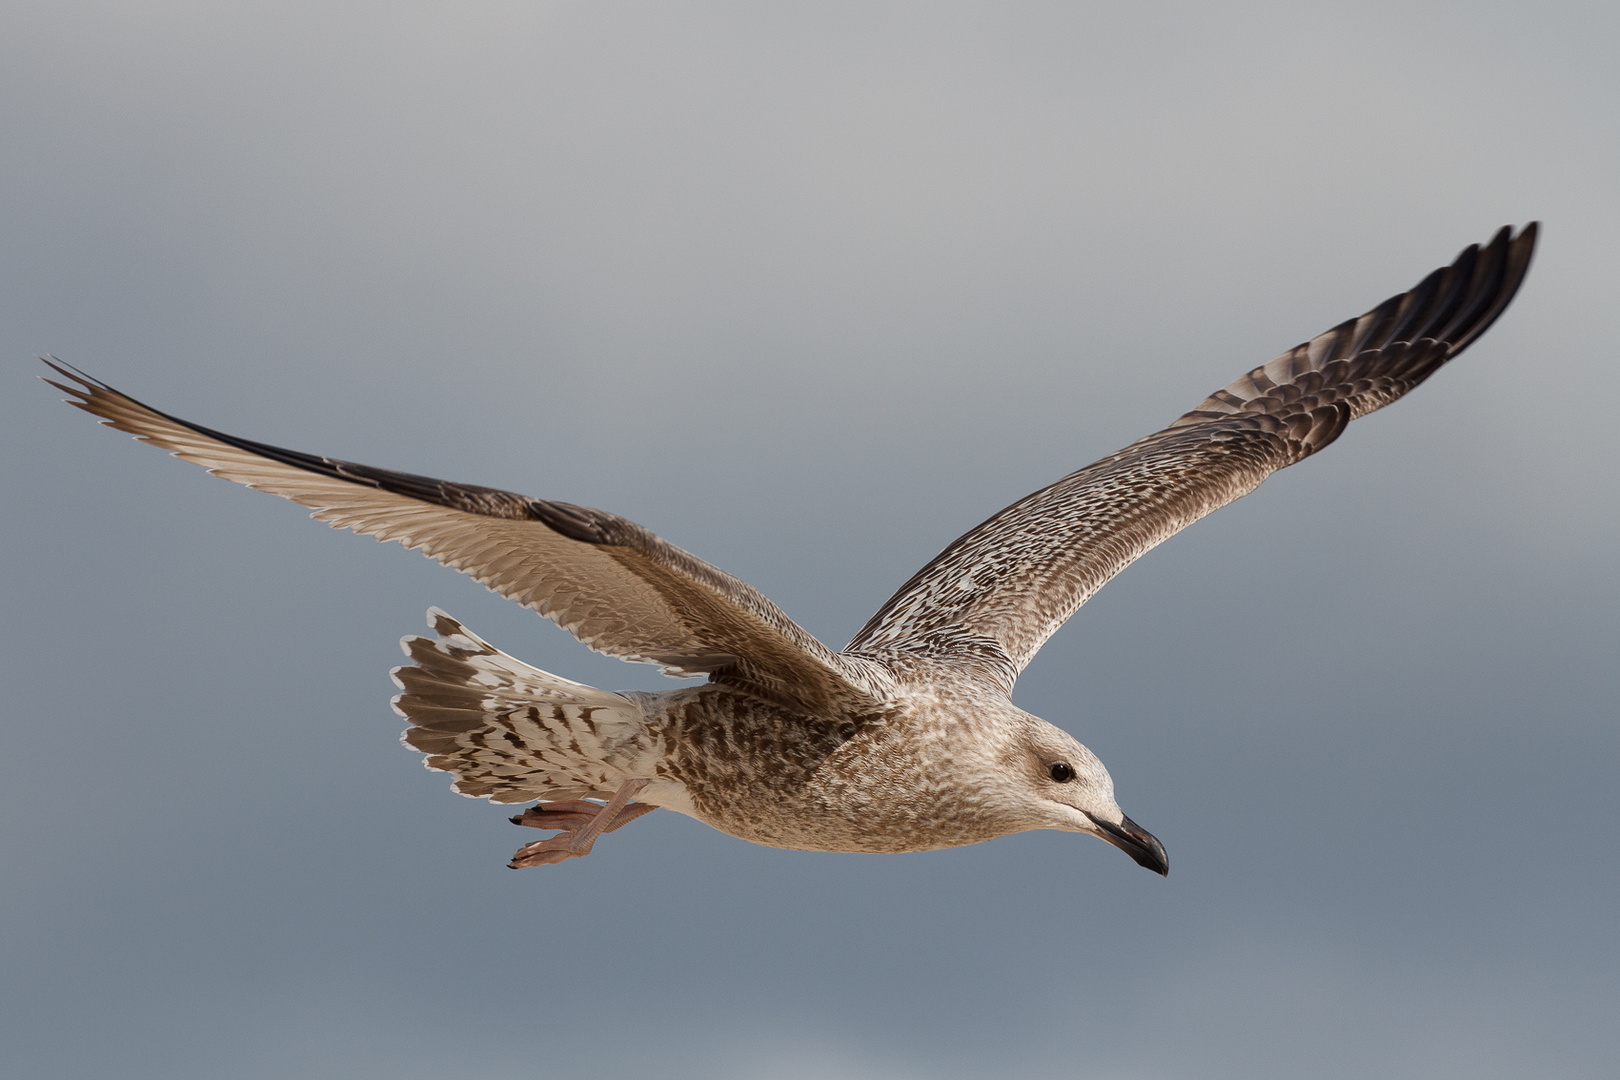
point(568, 816)
point(582, 823)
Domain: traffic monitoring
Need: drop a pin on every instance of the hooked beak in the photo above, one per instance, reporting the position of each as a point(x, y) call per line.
point(1134, 841)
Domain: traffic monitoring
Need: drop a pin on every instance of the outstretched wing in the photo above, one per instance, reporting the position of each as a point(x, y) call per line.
point(992, 598)
point(612, 584)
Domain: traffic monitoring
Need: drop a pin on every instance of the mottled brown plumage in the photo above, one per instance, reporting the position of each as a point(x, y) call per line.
point(905, 741)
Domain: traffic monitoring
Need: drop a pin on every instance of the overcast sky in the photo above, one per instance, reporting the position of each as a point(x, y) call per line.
point(808, 289)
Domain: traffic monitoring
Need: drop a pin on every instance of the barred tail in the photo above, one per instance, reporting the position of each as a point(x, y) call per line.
point(509, 732)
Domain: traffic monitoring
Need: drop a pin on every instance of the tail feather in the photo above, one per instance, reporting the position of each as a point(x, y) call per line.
point(509, 732)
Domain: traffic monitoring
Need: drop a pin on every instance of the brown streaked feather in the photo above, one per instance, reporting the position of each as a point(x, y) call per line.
point(992, 598)
point(614, 585)
point(510, 732)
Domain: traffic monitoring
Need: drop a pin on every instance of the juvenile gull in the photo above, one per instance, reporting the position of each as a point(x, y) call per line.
point(907, 740)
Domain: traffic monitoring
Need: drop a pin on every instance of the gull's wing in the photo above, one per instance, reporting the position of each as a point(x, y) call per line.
point(992, 598)
point(612, 584)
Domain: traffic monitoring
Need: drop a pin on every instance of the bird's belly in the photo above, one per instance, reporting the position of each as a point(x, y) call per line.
point(782, 781)
point(818, 828)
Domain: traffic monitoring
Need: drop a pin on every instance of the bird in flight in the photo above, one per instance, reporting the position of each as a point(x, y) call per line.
point(907, 740)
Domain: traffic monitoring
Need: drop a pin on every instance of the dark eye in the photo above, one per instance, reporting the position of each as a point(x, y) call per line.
point(1061, 771)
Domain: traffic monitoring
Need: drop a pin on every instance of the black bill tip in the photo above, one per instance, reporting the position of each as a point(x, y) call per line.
point(1134, 841)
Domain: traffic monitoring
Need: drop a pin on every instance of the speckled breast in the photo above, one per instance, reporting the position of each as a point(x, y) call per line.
point(890, 781)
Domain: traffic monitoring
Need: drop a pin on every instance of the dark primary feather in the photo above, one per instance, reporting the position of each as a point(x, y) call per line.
point(991, 598)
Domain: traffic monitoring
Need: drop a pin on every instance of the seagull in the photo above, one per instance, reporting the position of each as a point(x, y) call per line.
point(907, 740)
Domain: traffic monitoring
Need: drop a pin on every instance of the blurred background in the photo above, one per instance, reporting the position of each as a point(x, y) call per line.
point(808, 289)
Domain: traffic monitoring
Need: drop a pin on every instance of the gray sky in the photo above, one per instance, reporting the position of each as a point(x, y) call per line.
point(808, 290)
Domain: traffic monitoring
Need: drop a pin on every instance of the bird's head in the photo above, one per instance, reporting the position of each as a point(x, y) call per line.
point(1072, 791)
